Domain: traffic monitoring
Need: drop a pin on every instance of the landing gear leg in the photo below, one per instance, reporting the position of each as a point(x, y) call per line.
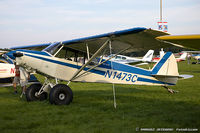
point(170, 90)
point(38, 91)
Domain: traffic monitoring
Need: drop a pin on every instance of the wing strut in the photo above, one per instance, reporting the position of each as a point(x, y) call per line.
point(88, 52)
point(100, 63)
point(94, 55)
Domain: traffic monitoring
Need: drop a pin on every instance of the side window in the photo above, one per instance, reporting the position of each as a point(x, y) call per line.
point(72, 55)
point(61, 53)
point(118, 57)
point(123, 58)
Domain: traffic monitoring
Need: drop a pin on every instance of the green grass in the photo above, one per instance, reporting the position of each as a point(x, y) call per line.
point(92, 109)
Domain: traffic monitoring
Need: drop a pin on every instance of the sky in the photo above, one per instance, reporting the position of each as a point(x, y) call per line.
point(28, 22)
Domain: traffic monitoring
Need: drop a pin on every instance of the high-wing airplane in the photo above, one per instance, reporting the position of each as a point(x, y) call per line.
point(128, 60)
point(66, 61)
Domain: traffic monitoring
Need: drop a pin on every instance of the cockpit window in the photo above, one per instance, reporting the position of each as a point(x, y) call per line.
point(53, 48)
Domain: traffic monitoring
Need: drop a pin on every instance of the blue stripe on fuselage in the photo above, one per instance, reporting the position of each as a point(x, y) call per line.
point(125, 68)
point(116, 66)
point(67, 64)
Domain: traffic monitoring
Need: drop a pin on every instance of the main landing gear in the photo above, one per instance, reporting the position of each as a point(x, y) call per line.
point(59, 94)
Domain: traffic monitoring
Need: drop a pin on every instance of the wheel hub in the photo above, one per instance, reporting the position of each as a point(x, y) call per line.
point(36, 94)
point(61, 96)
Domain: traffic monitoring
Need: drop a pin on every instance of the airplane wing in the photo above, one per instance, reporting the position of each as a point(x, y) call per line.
point(187, 41)
point(136, 39)
point(37, 47)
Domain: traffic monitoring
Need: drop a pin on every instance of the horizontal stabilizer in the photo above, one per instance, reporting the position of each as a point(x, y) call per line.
point(185, 76)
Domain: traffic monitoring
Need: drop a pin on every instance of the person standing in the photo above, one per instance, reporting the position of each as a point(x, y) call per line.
point(24, 77)
point(21, 77)
point(16, 79)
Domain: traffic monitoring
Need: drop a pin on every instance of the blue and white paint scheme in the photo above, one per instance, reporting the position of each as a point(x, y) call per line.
point(165, 71)
point(96, 69)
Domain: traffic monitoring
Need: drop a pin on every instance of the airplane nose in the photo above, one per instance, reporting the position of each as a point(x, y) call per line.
point(18, 54)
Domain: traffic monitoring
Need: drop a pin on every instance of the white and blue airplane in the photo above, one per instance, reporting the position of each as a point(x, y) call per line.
point(60, 60)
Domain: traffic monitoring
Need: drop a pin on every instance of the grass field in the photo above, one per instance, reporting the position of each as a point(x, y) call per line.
point(92, 109)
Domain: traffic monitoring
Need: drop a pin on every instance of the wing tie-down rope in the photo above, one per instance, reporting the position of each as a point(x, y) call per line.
point(113, 85)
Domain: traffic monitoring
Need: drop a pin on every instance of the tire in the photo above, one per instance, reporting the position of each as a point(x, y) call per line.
point(30, 93)
point(61, 94)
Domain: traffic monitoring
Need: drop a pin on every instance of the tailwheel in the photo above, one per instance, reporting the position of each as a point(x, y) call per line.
point(170, 90)
point(32, 93)
point(61, 94)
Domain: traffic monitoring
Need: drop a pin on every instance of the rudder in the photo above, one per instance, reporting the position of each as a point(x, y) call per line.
point(166, 69)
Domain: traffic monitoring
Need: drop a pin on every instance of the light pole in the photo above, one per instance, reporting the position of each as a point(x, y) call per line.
point(160, 10)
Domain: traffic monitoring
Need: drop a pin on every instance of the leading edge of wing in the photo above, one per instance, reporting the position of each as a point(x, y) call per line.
point(31, 46)
point(110, 34)
point(116, 33)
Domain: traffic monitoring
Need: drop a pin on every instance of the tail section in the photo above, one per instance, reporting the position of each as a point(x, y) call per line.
point(182, 57)
point(148, 57)
point(166, 69)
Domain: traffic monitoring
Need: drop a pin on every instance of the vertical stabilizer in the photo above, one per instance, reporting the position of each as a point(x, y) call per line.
point(166, 69)
point(148, 57)
point(183, 56)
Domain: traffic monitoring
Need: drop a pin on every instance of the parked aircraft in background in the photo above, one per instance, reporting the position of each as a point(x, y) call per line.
point(55, 62)
point(193, 54)
point(197, 57)
point(129, 60)
point(7, 72)
point(181, 58)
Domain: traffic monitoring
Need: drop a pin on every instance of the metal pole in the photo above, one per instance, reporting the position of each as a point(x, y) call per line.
point(160, 10)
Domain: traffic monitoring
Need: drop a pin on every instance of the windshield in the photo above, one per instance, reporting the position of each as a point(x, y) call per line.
point(52, 49)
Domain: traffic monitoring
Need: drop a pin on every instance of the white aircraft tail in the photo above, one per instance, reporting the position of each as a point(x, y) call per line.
point(148, 57)
point(166, 69)
point(183, 56)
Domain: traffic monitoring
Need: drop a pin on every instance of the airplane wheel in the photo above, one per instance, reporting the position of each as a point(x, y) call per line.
point(61, 94)
point(31, 93)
